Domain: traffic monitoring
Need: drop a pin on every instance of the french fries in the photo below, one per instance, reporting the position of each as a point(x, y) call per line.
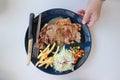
point(43, 56)
point(48, 61)
point(42, 52)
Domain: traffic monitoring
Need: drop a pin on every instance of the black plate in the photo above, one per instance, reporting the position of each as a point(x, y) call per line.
point(85, 34)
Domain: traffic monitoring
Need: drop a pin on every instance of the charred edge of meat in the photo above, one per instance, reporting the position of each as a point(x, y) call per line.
point(61, 32)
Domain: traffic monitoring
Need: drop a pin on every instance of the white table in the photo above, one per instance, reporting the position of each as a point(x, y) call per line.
point(103, 62)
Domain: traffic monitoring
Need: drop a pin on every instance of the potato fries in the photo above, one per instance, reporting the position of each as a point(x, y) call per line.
point(48, 61)
point(44, 51)
point(43, 56)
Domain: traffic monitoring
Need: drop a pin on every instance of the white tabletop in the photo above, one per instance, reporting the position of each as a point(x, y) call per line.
point(103, 62)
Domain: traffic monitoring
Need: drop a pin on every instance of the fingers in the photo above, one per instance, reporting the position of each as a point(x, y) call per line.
point(81, 12)
point(86, 17)
point(89, 17)
point(92, 21)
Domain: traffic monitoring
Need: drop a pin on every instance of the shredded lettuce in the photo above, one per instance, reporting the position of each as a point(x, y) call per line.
point(64, 60)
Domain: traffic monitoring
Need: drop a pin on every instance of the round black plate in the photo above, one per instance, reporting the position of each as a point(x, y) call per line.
point(85, 34)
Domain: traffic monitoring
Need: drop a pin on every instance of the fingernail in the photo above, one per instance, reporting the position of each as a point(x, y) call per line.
point(83, 22)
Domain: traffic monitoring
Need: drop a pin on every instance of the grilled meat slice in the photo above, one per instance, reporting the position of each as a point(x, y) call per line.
point(61, 32)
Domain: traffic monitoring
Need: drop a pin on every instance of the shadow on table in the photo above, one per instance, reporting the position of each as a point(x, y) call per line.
point(3, 5)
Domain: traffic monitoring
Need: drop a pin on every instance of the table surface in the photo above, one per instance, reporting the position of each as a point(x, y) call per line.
point(103, 62)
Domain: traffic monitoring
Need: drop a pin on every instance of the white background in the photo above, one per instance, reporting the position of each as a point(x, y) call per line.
point(103, 62)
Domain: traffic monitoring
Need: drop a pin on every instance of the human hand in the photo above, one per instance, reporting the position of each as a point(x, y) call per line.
point(92, 12)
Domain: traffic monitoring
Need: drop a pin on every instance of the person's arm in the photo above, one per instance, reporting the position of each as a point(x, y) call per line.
point(92, 12)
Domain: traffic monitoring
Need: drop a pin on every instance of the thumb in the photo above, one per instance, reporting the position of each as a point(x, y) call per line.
point(86, 18)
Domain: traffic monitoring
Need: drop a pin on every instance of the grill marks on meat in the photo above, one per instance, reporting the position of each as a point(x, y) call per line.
point(61, 32)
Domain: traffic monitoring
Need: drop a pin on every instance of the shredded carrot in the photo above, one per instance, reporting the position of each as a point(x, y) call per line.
point(77, 54)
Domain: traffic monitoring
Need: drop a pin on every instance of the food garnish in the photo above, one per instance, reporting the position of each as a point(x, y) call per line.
point(77, 53)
